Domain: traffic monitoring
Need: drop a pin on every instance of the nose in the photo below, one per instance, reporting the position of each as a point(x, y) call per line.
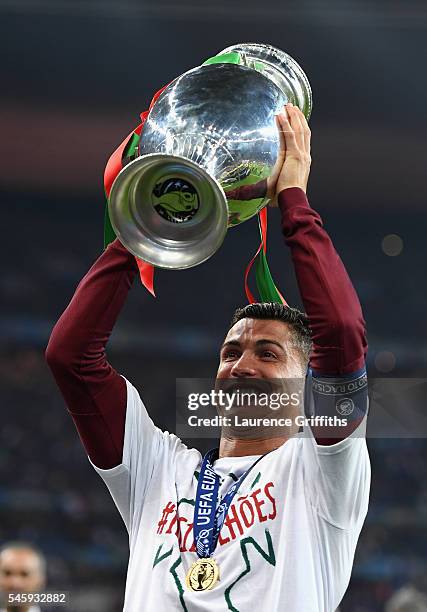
point(243, 368)
point(13, 583)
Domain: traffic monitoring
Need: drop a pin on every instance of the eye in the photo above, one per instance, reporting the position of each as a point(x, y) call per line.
point(268, 355)
point(229, 354)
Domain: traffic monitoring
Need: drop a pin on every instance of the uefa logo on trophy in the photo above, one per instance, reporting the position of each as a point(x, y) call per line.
point(208, 145)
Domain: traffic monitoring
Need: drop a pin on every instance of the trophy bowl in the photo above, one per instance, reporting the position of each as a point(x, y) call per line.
point(207, 147)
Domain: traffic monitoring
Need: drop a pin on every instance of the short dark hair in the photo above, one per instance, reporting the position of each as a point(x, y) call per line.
point(297, 321)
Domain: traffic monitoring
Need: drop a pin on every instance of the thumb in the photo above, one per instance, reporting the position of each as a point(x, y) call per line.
point(273, 203)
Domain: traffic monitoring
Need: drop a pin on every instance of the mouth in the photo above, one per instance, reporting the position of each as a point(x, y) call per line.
point(256, 386)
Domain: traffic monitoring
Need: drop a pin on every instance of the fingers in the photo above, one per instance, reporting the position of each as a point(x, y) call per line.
point(296, 125)
point(294, 130)
point(306, 132)
point(282, 141)
point(300, 125)
point(297, 160)
point(287, 133)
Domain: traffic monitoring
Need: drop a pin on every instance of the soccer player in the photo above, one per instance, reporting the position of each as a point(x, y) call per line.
point(263, 523)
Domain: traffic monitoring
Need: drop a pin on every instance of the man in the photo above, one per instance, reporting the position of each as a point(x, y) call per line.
point(22, 570)
point(284, 537)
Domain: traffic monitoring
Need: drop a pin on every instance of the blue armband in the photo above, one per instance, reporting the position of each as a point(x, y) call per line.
point(344, 396)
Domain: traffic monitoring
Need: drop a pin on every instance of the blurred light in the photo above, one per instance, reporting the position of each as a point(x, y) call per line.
point(392, 245)
point(385, 361)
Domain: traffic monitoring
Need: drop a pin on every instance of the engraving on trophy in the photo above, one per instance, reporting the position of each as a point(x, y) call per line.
point(175, 200)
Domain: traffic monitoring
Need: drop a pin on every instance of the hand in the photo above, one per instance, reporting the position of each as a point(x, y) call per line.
point(292, 167)
point(272, 179)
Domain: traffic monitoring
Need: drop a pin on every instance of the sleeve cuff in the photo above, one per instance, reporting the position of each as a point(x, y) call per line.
point(290, 197)
point(118, 247)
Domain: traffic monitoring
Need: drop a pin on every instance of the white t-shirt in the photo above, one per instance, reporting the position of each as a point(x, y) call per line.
point(287, 543)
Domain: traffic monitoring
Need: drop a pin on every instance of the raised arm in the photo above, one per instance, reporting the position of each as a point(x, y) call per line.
point(94, 392)
point(330, 301)
point(337, 360)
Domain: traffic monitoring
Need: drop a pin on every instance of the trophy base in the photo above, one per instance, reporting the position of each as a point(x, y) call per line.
point(168, 211)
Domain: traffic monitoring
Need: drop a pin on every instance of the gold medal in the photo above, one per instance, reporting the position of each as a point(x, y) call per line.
point(202, 575)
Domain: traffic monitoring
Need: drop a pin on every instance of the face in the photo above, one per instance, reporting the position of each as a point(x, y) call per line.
point(20, 570)
point(258, 348)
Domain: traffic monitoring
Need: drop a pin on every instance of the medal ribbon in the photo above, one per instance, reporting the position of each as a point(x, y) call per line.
point(208, 518)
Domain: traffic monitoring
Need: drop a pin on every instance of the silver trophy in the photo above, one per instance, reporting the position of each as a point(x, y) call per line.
point(206, 149)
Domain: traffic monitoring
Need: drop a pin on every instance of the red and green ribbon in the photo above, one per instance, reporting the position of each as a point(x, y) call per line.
point(264, 281)
point(112, 169)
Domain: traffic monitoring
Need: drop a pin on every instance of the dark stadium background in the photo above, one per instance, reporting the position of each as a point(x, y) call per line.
point(75, 75)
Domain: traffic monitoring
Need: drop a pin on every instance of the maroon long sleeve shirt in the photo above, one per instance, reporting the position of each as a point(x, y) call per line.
point(96, 394)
